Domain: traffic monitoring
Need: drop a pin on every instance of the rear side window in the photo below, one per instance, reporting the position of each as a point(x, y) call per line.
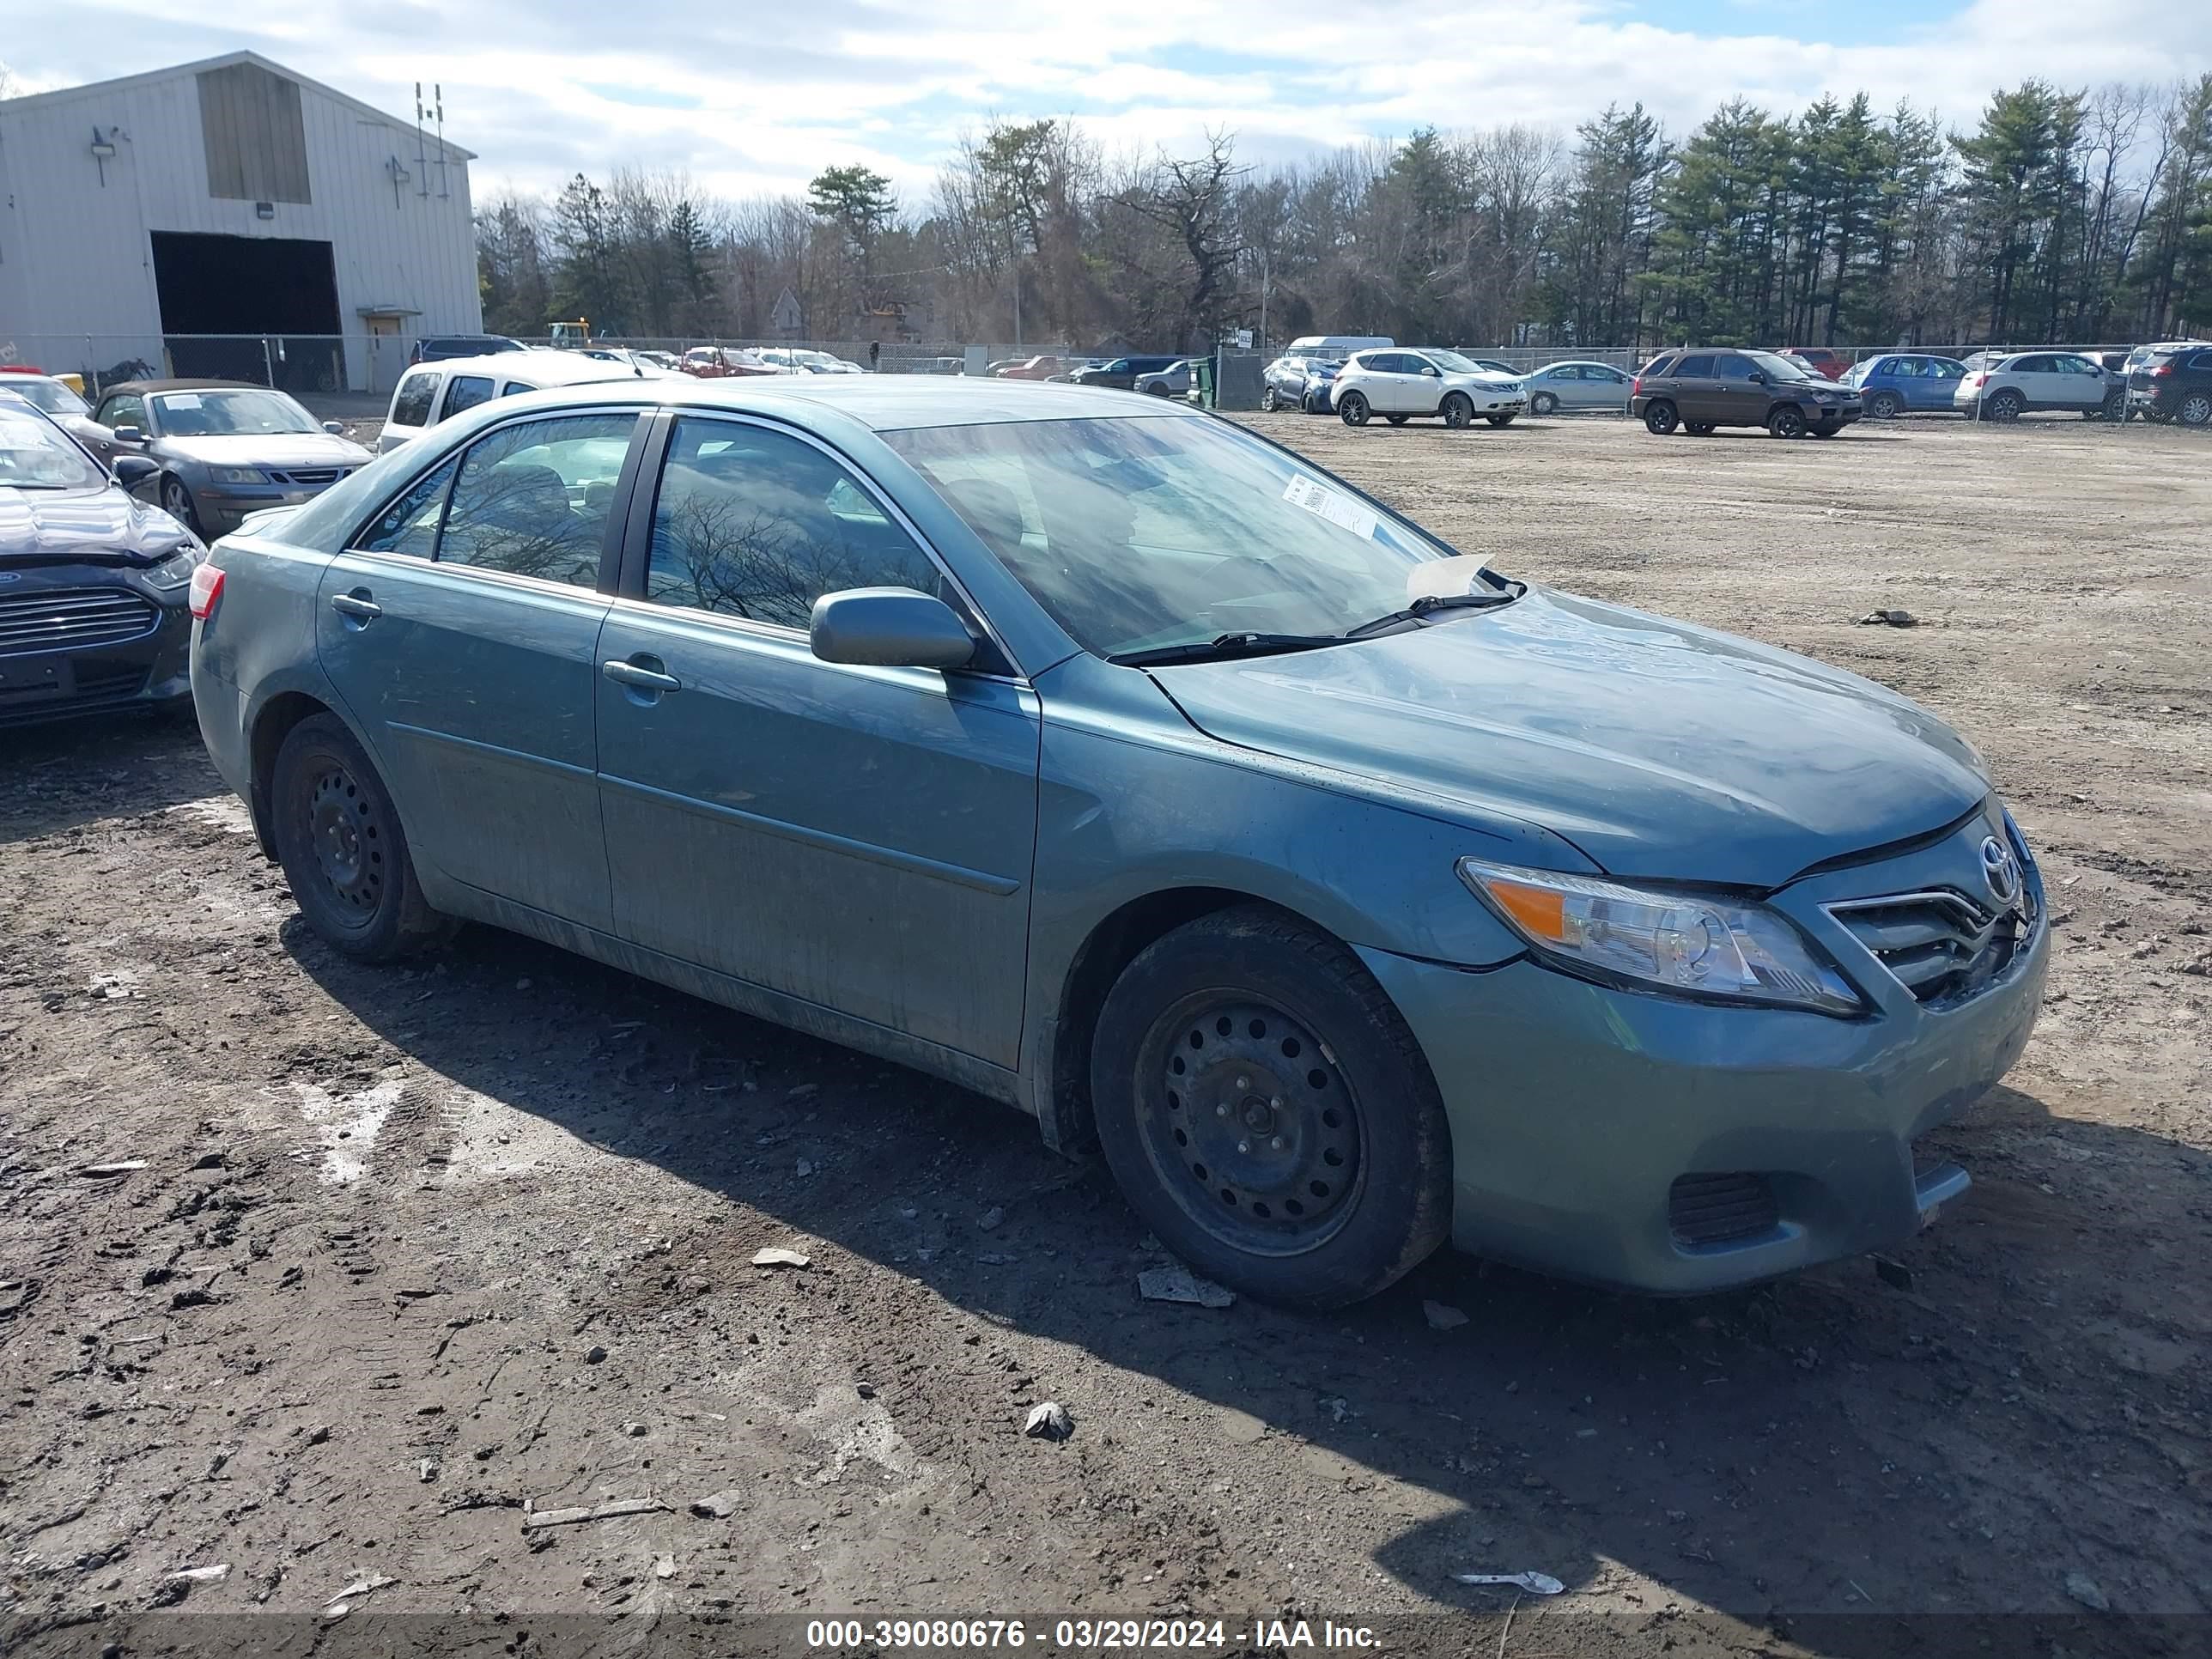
point(1660, 366)
point(1693, 366)
point(466, 392)
point(534, 499)
point(411, 404)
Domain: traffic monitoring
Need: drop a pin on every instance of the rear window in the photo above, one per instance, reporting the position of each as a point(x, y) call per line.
point(1659, 366)
point(410, 405)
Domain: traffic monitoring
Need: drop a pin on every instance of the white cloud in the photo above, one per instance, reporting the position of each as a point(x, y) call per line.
point(749, 98)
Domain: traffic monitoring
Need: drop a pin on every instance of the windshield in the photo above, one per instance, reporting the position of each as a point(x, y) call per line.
point(1780, 367)
point(50, 395)
point(229, 414)
point(35, 455)
point(1138, 534)
point(1452, 363)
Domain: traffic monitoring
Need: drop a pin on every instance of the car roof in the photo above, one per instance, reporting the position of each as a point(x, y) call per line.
point(883, 403)
point(141, 388)
point(550, 368)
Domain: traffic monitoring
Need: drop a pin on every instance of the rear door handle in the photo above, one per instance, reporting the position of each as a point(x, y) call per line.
point(356, 606)
point(638, 677)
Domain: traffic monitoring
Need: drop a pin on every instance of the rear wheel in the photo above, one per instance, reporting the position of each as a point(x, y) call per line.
point(1542, 403)
point(1787, 422)
point(1352, 408)
point(2195, 409)
point(2005, 406)
point(344, 852)
point(1660, 417)
point(1885, 406)
point(1458, 410)
point(1268, 1114)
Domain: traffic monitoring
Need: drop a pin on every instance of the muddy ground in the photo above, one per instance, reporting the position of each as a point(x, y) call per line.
point(406, 1256)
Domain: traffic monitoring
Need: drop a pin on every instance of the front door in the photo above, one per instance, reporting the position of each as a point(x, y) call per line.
point(461, 631)
point(860, 839)
point(1737, 399)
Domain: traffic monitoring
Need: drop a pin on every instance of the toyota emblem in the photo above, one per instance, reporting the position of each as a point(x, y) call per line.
point(2000, 872)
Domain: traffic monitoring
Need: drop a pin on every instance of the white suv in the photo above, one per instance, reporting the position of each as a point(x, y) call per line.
point(1401, 383)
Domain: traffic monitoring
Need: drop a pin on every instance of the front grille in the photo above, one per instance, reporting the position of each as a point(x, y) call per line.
point(1940, 945)
point(313, 474)
point(1720, 1209)
point(72, 618)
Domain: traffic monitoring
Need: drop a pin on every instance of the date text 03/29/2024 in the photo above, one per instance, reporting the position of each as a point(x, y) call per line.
point(1083, 1635)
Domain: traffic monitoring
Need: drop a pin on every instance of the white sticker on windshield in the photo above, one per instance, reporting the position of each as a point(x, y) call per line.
point(1339, 509)
point(181, 400)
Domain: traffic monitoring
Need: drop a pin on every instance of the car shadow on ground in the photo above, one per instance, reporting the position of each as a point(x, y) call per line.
point(56, 777)
point(1841, 1458)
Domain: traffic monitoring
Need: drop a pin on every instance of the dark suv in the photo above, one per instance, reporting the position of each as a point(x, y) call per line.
point(1697, 391)
point(2173, 386)
point(1122, 372)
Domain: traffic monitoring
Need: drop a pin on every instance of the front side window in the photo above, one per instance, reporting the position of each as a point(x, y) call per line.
point(411, 404)
point(126, 409)
point(409, 524)
point(215, 413)
point(532, 499)
point(755, 523)
point(1733, 367)
point(466, 392)
point(1141, 534)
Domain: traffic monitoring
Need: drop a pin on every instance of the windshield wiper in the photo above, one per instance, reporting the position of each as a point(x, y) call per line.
point(1428, 603)
point(1223, 645)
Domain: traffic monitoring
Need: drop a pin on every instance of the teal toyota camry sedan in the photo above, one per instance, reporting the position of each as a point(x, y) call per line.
point(1100, 756)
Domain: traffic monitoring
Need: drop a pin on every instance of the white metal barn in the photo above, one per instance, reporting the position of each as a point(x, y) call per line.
point(229, 217)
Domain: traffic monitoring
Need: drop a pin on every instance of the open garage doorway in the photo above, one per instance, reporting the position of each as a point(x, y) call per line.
point(278, 289)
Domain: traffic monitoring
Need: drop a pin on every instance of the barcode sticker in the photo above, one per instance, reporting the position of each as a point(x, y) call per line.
point(1339, 509)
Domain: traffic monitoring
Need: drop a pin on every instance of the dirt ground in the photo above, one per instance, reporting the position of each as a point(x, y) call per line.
point(403, 1258)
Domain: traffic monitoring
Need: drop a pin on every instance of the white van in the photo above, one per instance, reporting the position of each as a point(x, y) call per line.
point(1334, 345)
point(430, 393)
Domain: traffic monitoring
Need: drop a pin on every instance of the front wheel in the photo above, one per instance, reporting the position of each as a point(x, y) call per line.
point(1787, 422)
point(1458, 410)
point(1269, 401)
point(1542, 403)
point(1660, 417)
point(344, 852)
point(1352, 408)
point(177, 502)
point(1268, 1114)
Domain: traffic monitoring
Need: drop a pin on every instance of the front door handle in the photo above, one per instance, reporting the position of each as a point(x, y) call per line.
point(359, 607)
point(641, 674)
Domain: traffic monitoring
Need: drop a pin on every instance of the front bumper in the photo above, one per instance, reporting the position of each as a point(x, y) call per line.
point(223, 508)
point(1511, 402)
point(1575, 1108)
point(1841, 415)
point(65, 679)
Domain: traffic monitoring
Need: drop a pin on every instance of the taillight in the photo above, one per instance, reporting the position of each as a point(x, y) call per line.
point(1981, 380)
point(1635, 387)
point(2163, 368)
point(207, 588)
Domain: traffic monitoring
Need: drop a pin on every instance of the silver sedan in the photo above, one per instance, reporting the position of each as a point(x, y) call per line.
point(1578, 386)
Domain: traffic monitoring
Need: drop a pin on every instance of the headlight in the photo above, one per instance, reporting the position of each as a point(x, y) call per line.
point(177, 569)
point(239, 475)
point(1685, 943)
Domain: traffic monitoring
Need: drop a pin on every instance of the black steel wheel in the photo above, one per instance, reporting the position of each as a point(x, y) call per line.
point(1458, 410)
point(343, 851)
point(1352, 408)
point(1787, 422)
point(1265, 1110)
point(1660, 417)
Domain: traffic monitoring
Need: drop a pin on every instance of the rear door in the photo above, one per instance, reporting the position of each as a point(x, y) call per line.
point(461, 630)
point(858, 839)
point(2037, 379)
point(464, 392)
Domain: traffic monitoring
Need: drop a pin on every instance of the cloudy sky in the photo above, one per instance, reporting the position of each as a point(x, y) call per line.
point(749, 96)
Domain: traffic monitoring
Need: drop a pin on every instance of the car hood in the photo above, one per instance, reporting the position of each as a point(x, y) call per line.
point(283, 449)
point(101, 524)
point(1660, 748)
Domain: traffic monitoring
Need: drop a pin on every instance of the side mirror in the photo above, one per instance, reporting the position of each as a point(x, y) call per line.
point(130, 435)
point(889, 627)
point(336, 429)
point(1430, 370)
point(1759, 377)
point(132, 470)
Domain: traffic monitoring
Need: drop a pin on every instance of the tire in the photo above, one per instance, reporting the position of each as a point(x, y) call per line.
point(1542, 403)
point(2114, 408)
point(2195, 409)
point(177, 502)
point(1660, 417)
point(1352, 408)
point(2004, 406)
point(1155, 390)
point(1699, 428)
point(1284, 1033)
point(343, 851)
point(1501, 419)
point(1826, 431)
point(1458, 410)
point(1885, 406)
point(1787, 421)
point(1397, 420)
point(1269, 401)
